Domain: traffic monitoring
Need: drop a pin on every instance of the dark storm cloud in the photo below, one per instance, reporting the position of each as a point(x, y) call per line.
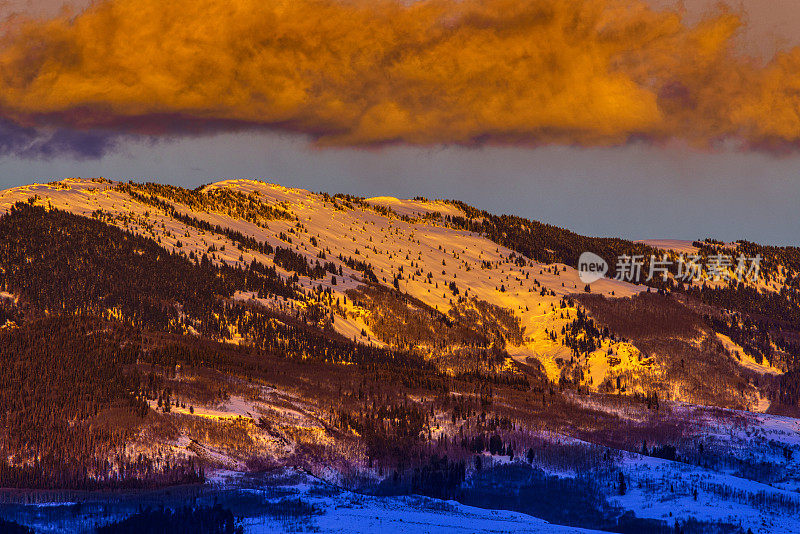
point(369, 73)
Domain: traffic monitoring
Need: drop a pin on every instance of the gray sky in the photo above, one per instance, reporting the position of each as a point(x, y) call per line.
point(633, 192)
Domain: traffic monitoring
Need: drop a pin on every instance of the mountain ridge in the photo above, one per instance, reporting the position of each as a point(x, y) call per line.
point(246, 326)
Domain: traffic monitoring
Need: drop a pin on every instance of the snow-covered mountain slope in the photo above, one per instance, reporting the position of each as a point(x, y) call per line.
point(387, 271)
point(203, 327)
point(400, 239)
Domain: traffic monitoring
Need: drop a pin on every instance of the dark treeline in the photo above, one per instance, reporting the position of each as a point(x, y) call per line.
point(782, 309)
point(470, 339)
point(63, 380)
point(10, 312)
point(665, 325)
point(406, 322)
point(389, 431)
point(12, 527)
point(753, 337)
point(202, 520)
point(766, 325)
point(773, 258)
point(789, 388)
point(273, 335)
point(236, 204)
point(358, 265)
point(237, 237)
point(294, 261)
point(60, 262)
point(284, 256)
point(551, 244)
point(544, 242)
point(582, 335)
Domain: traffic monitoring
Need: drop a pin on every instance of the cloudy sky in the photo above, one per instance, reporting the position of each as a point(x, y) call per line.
point(609, 117)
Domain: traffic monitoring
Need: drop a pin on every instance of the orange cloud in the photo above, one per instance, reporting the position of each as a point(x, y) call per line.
point(369, 72)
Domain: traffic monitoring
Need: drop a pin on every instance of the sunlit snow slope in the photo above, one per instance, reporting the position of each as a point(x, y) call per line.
point(404, 239)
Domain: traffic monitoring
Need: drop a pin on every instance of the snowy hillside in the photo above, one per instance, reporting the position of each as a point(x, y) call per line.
point(397, 240)
point(390, 348)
